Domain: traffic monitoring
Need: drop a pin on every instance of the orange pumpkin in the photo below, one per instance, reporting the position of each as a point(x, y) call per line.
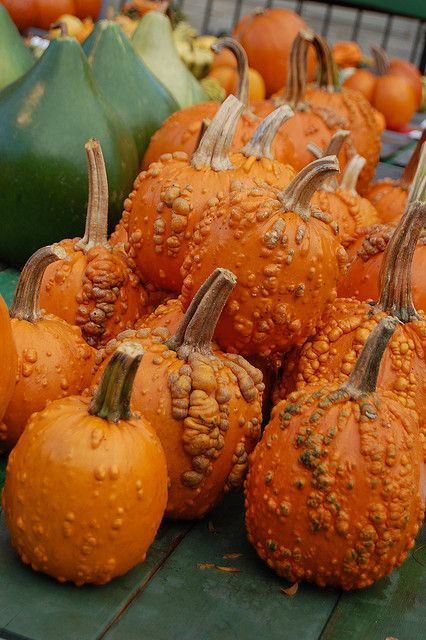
point(42, 13)
point(86, 486)
point(285, 253)
point(9, 360)
point(347, 54)
point(267, 36)
point(399, 67)
point(94, 287)
point(228, 79)
point(169, 198)
point(54, 361)
point(333, 494)
point(395, 98)
point(205, 405)
point(362, 80)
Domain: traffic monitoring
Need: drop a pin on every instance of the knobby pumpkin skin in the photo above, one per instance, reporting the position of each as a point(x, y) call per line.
point(9, 360)
point(86, 486)
point(287, 257)
point(205, 405)
point(333, 491)
point(54, 361)
point(94, 287)
point(169, 198)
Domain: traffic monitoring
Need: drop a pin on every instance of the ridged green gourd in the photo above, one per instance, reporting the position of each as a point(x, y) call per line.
point(46, 118)
point(15, 58)
point(138, 97)
point(153, 42)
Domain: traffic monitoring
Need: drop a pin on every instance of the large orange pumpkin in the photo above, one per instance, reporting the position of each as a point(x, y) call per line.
point(42, 13)
point(399, 67)
point(267, 36)
point(9, 360)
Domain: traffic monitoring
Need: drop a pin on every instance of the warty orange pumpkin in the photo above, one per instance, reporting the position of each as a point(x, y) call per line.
point(86, 486)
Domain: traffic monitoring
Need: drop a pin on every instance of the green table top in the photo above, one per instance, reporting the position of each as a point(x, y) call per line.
point(171, 595)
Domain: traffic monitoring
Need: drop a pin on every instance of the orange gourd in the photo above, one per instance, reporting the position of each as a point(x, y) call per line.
point(286, 255)
point(267, 36)
point(54, 361)
point(42, 13)
point(395, 98)
point(205, 405)
point(334, 494)
point(350, 105)
point(86, 486)
point(228, 79)
point(347, 54)
point(401, 68)
point(94, 287)
point(169, 198)
point(181, 130)
point(362, 80)
point(9, 360)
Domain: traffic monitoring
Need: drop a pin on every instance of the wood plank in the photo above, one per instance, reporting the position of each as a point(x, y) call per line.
point(186, 602)
point(385, 170)
point(394, 607)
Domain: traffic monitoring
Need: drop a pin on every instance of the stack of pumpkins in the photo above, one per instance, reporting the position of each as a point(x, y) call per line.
point(224, 268)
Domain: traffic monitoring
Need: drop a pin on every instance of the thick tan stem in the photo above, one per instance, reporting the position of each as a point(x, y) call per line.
point(26, 301)
point(351, 174)
point(297, 196)
point(363, 379)
point(381, 60)
point(205, 123)
point(411, 168)
point(215, 145)
point(326, 64)
point(96, 231)
point(418, 184)
point(395, 280)
point(294, 91)
point(334, 147)
point(242, 92)
point(261, 141)
point(199, 331)
point(112, 398)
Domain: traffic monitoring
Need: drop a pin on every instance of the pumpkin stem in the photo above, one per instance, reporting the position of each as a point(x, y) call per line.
point(62, 26)
point(363, 379)
point(197, 333)
point(96, 231)
point(26, 301)
point(215, 145)
point(351, 174)
point(395, 281)
point(410, 170)
point(112, 398)
point(260, 143)
point(205, 123)
point(333, 149)
point(381, 60)
point(297, 196)
point(242, 92)
point(327, 69)
point(295, 88)
point(418, 184)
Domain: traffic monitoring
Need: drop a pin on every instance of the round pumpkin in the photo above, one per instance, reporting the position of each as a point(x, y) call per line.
point(362, 80)
point(395, 98)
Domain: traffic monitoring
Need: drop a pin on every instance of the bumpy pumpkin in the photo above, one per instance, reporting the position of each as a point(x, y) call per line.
point(94, 287)
point(168, 198)
point(9, 360)
point(205, 405)
point(86, 486)
point(287, 257)
point(54, 361)
point(309, 124)
point(332, 350)
point(181, 130)
point(333, 493)
point(353, 107)
point(347, 54)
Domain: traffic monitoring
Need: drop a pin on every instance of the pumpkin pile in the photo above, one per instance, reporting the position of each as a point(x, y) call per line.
point(235, 291)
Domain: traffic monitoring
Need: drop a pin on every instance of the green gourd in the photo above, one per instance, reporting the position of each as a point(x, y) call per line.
point(128, 85)
point(15, 59)
point(46, 118)
point(153, 42)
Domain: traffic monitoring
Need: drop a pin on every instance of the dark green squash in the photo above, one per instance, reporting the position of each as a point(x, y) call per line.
point(15, 59)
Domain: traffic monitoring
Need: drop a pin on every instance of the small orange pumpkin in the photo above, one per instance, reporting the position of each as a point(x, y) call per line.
point(362, 80)
point(347, 54)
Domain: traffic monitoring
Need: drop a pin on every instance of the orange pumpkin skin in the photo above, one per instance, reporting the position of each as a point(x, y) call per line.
point(407, 70)
point(84, 497)
point(395, 97)
point(228, 78)
point(267, 37)
point(362, 80)
point(168, 314)
point(42, 13)
point(389, 199)
point(167, 203)
point(86, 8)
point(9, 360)
point(97, 291)
point(347, 54)
point(345, 508)
point(224, 58)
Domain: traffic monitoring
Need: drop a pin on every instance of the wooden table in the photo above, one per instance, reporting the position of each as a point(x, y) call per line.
point(172, 597)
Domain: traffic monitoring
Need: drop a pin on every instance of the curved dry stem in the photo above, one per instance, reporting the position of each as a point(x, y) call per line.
point(297, 196)
point(112, 398)
point(381, 60)
point(295, 88)
point(418, 184)
point(334, 147)
point(326, 64)
point(26, 301)
point(363, 379)
point(261, 141)
point(351, 173)
point(215, 145)
point(395, 278)
point(205, 123)
point(96, 231)
point(234, 46)
point(411, 168)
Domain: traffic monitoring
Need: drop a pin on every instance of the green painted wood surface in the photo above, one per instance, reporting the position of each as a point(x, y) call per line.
point(8, 280)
